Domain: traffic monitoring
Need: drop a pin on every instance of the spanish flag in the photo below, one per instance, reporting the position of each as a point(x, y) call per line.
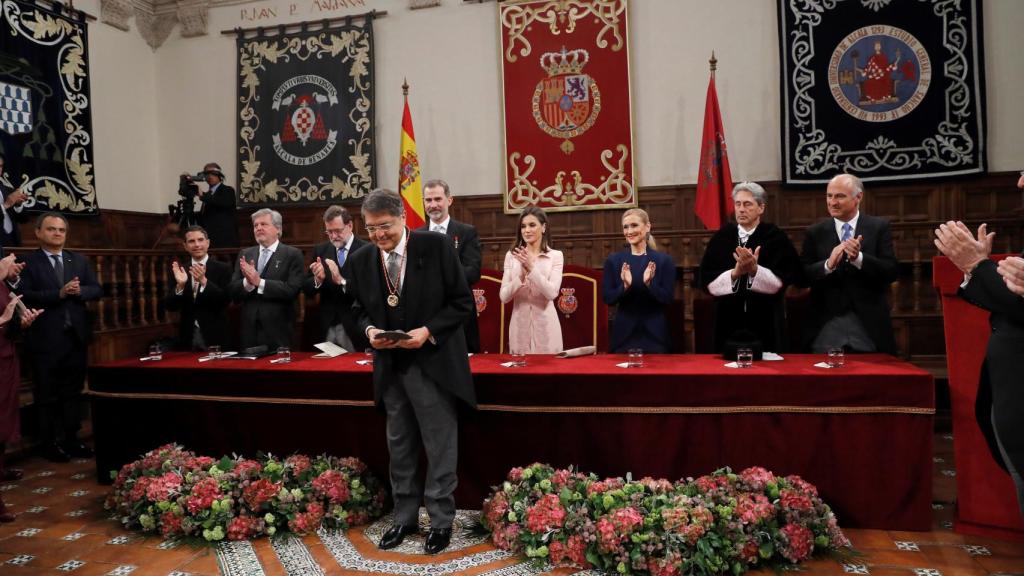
point(410, 185)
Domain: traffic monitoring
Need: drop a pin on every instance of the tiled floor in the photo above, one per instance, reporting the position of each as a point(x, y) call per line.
point(61, 527)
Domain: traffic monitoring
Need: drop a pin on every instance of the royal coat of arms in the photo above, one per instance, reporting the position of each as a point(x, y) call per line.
point(567, 102)
point(480, 300)
point(567, 303)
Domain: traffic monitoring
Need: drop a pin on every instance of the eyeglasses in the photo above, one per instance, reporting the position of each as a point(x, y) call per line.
point(380, 227)
point(337, 232)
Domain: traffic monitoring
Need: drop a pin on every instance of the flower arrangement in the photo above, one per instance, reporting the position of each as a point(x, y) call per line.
point(176, 493)
point(717, 524)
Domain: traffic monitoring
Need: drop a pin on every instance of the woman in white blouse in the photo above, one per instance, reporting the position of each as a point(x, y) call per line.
point(533, 275)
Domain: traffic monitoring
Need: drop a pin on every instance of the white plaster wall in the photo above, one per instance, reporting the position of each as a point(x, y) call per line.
point(450, 55)
point(124, 117)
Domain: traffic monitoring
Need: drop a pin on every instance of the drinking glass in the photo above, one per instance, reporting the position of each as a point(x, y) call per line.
point(744, 357)
point(284, 355)
point(836, 358)
point(213, 351)
point(368, 356)
point(155, 353)
point(636, 358)
point(518, 360)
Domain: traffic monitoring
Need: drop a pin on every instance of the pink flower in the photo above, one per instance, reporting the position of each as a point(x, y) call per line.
point(170, 524)
point(802, 485)
point(797, 542)
point(247, 468)
point(244, 527)
point(259, 492)
point(561, 477)
point(753, 508)
point(203, 494)
point(614, 528)
point(298, 463)
point(495, 508)
point(662, 567)
point(557, 553)
point(507, 538)
point(515, 474)
point(547, 514)
point(577, 551)
point(333, 485)
point(795, 501)
point(757, 478)
point(354, 464)
point(304, 523)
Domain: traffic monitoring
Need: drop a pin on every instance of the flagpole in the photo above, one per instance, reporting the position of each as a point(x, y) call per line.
point(713, 62)
point(405, 88)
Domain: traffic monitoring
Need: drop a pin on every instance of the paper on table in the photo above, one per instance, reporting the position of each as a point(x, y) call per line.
point(731, 365)
point(329, 349)
point(623, 364)
point(364, 362)
point(219, 356)
point(508, 364)
point(822, 365)
point(150, 358)
point(771, 356)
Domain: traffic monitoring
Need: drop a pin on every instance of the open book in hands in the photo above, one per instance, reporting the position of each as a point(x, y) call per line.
point(392, 335)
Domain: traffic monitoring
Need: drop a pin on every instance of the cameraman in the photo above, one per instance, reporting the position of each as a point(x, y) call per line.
point(217, 215)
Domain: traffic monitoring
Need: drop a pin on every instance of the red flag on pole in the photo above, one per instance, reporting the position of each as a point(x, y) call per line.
point(409, 181)
point(714, 181)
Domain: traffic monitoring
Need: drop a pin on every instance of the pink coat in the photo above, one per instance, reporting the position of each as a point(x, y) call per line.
point(534, 327)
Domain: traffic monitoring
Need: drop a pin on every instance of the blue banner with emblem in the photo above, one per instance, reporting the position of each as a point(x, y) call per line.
point(45, 107)
point(884, 89)
point(305, 114)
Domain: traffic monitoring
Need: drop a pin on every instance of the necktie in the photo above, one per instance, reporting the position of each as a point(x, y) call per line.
point(395, 269)
point(439, 229)
point(264, 256)
point(58, 269)
point(8, 223)
point(847, 232)
point(341, 257)
point(195, 285)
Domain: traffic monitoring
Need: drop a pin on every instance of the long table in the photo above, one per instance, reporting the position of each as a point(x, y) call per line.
point(861, 433)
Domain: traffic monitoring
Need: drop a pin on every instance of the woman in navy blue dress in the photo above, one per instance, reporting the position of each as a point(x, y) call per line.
point(640, 281)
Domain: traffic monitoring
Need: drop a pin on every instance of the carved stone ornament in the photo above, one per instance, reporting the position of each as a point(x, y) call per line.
point(156, 19)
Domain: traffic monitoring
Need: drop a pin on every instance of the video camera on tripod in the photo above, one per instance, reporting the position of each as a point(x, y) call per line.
point(183, 211)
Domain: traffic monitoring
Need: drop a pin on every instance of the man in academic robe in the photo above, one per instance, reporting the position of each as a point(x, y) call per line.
point(266, 281)
point(326, 278)
point(849, 263)
point(746, 267)
point(437, 201)
point(412, 281)
point(199, 292)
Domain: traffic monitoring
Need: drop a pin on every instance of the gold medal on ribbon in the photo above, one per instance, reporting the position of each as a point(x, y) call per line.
point(393, 300)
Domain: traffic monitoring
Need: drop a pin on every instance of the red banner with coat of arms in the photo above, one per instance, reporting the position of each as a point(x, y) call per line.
point(568, 123)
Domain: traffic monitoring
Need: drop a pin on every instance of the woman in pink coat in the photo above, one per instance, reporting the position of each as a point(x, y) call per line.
point(533, 275)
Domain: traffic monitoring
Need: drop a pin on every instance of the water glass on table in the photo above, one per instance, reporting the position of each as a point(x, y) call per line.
point(744, 357)
point(636, 358)
point(213, 351)
point(836, 358)
point(155, 352)
point(518, 360)
point(284, 355)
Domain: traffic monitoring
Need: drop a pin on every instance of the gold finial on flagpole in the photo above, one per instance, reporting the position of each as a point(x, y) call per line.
point(713, 62)
point(405, 87)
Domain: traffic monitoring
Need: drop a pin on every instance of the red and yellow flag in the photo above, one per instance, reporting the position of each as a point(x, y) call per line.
point(410, 185)
point(714, 181)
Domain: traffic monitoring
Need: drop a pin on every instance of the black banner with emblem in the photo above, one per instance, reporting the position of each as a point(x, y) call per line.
point(305, 114)
point(45, 108)
point(884, 89)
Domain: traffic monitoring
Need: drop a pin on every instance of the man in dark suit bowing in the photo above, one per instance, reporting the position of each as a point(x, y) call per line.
point(266, 281)
point(200, 293)
point(59, 282)
point(413, 282)
point(337, 324)
point(849, 262)
point(217, 214)
point(437, 199)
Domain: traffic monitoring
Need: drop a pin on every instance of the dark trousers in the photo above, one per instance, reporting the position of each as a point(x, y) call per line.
point(421, 413)
point(58, 378)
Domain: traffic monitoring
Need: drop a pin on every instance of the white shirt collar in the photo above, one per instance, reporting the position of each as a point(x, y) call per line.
point(443, 224)
point(853, 225)
point(203, 261)
point(272, 247)
point(60, 253)
point(348, 243)
point(744, 233)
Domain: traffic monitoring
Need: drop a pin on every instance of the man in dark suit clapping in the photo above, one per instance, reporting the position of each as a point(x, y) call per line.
point(59, 282)
point(200, 293)
point(437, 199)
point(337, 324)
point(413, 282)
point(266, 281)
point(849, 262)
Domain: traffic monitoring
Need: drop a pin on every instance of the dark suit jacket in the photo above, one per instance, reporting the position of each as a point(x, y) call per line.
point(640, 320)
point(209, 307)
point(999, 385)
point(335, 303)
point(435, 295)
point(14, 238)
point(865, 291)
point(41, 289)
point(217, 216)
point(467, 244)
point(274, 310)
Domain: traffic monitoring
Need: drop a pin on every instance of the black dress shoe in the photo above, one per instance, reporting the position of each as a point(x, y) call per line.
point(54, 453)
point(437, 540)
point(394, 536)
point(79, 450)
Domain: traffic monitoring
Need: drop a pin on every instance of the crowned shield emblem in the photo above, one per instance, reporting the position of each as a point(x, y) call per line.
point(15, 108)
point(480, 300)
point(566, 103)
point(567, 303)
point(305, 104)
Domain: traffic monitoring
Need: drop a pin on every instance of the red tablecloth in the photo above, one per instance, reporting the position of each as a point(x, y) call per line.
point(862, 433)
